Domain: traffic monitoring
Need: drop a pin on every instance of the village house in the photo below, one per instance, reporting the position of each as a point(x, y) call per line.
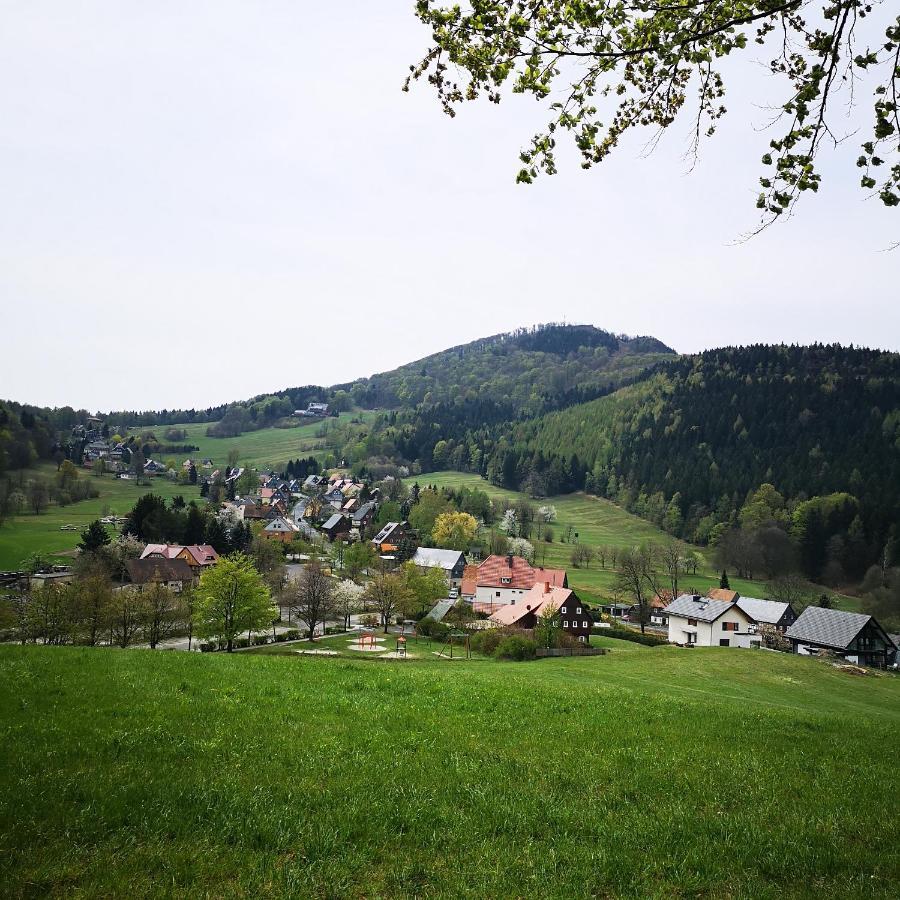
point(335, 497)
point(705, 622)
point(856, 637)
point(573, 615)
point(451, 562)
point(504, 579)
point(363, 515)
point(197, 556)
point(388, 539)
point(174, 574)
point(313, 410)
point(280, 529)
point(336, 526)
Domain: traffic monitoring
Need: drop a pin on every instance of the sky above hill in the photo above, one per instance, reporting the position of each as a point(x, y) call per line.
point(202, 202)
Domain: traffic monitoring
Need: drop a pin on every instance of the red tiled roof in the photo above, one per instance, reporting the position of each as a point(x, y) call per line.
point(521, 575)
point(538, 598)
point(469, 581)
point(722, 594)
point(204, 554)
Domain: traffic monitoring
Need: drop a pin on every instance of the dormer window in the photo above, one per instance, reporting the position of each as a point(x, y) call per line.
point(505, 580)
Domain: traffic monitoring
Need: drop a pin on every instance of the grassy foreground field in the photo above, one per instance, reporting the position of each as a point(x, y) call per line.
point(600, 522)
point(659, 773)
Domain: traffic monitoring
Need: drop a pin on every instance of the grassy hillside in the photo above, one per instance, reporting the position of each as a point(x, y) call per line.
point(25, 534)
point(268, 447)
point(600, 522)
point(647, 774)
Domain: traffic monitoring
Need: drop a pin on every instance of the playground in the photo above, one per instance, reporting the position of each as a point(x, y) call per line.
point(374, 644)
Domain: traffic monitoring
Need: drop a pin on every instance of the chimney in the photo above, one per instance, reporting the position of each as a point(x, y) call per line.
point(546, 587)
point(509, 559)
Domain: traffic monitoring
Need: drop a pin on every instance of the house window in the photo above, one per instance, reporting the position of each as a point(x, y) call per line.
point(498, 593)
point(578, 610)
point(724, 642)
point(729, 626)
point(566, 624)
point(585, 623)
point(505, 580)
point(692, 622)
point(581, 638)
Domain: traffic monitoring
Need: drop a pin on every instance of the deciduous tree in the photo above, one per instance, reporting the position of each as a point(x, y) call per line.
point(608, 68)
point(311, 597)
point(454, 530)
point(232, 598)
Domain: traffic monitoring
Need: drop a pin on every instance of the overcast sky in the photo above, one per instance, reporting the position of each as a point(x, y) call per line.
point(202, 202)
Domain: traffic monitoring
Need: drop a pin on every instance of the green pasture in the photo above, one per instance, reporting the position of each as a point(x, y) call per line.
point(27, 533)
point(268, 447)
point(650, 774)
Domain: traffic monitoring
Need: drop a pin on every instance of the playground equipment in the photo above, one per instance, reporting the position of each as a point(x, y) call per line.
point(401, 647)
point(449, 644)
point(367, 640)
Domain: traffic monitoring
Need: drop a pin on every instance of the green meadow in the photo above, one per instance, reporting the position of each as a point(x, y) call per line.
point(27, 533)
point(653, 773)
point(600, 523)
point(268, 447)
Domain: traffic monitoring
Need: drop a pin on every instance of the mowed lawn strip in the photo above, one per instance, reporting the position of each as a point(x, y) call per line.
point(647, 774)
point(600, 523)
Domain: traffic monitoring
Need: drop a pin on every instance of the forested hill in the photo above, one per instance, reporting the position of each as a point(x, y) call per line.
point(686, 445)
point(531, 370)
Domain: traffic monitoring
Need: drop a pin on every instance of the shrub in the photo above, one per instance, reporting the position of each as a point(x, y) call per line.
point(208, 648)
point(487, 641)
point(626, 634)
point(280, 638)
point(430, 628)
point(516, 647)
point(292, 634)
point(240, 643)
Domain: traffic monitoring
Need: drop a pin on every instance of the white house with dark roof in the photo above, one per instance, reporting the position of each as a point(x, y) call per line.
point(855, 636)
point(705, 622)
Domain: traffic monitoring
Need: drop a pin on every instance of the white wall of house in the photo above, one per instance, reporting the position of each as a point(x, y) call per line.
point(499, 596)
point(712, 634)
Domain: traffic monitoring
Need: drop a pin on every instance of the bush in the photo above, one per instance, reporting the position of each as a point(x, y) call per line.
point(292, 634)
point(208, 648)
point(626, 634)
point(240, 643)
point(516, 647)
point(487, 641)
point(429, 628)
point(280, 638)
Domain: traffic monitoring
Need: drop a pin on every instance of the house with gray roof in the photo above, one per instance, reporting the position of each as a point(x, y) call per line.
point(452, 562)
point(336, 525)
point(705, 622)
point(855, 636)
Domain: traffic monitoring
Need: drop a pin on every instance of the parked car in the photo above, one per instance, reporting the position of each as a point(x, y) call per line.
point(453, 594)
